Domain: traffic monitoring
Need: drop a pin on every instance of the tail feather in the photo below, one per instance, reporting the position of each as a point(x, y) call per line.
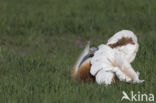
point(82, 55)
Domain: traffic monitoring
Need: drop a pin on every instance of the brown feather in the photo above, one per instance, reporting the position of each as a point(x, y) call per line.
point(83, 73)
point(121, 42)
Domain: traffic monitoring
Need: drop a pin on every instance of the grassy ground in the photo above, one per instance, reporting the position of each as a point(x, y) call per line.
point(41, 39)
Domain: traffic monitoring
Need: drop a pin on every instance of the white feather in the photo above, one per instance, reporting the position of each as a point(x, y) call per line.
point(105, 58)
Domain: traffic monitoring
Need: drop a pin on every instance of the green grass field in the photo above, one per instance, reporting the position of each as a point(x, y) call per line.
point(41, 39)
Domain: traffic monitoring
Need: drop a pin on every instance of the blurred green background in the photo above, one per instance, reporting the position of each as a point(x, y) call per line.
point(41, 39)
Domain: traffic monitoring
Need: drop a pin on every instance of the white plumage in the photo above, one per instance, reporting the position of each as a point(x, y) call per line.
point(108, 61)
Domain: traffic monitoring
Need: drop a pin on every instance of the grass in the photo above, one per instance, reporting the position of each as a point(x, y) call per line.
point(41, 39)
